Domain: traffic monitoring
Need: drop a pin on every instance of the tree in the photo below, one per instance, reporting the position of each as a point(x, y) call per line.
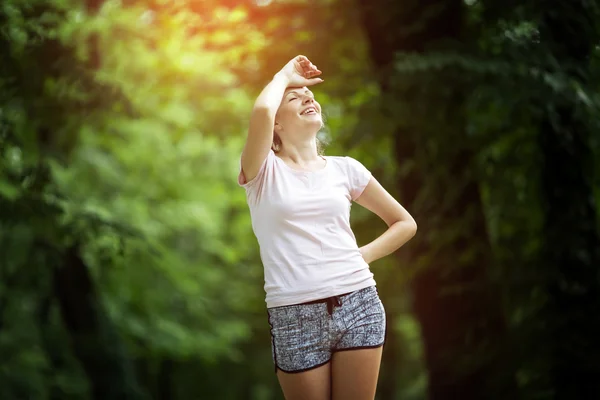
point(462, 320)
point(126, 192)
point(571, 241)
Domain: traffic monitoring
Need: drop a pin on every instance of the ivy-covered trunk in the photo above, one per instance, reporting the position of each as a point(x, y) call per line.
point(461, 318)
point(571, 242)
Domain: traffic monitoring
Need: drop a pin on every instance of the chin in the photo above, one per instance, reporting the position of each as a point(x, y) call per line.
point(315, 124)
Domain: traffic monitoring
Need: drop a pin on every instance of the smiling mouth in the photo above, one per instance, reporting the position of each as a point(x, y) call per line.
point(309, 111)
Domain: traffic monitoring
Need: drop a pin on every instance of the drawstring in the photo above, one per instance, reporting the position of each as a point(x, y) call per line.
point(333, 301)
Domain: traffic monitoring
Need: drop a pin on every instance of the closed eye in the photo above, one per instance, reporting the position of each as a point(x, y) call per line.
point(293, 98)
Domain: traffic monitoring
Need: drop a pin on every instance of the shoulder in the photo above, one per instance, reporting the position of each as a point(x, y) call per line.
point(336, 159)
point(339, 163)
point(345, 161)
point(264, 170)
point(341, 160)
point(348, 164)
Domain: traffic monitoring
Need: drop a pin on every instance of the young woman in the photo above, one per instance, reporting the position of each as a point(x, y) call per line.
point(327, 321)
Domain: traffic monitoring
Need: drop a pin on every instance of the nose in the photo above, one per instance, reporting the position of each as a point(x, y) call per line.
point(307, 100)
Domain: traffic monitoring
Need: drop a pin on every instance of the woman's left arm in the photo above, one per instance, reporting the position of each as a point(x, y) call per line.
point(401, 225)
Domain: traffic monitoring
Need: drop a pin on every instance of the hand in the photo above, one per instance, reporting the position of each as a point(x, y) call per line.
point(299, 72)
point(364, 254)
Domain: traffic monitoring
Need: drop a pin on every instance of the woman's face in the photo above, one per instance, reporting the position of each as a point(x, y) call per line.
point(298, 113)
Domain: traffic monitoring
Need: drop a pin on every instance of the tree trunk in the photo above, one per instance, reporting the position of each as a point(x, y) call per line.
point(93, 339)
point(55, 354)
point(165, 379)
point(571, 244)
point(461, 318)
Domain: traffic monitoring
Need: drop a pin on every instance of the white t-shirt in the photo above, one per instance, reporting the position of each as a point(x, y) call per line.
point(302, 222)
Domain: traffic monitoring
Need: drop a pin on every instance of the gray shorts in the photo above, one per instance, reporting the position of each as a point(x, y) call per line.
point(304, 336)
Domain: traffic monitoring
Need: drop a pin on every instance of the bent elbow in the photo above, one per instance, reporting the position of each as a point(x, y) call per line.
point(412, 227)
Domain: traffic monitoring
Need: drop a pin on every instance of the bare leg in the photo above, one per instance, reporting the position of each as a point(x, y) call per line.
point(314, 384)
point(355, 374)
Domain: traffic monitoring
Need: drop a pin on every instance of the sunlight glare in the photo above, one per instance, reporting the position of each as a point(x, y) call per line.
point(263, 3)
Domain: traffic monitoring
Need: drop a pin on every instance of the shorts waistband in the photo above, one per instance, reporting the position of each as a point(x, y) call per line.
point(333, 301)
point(326, 299)
point(323, 300)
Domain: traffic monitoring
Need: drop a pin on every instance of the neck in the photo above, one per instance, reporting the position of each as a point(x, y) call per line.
point(301, 152)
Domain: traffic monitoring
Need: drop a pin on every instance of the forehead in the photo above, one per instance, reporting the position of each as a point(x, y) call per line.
point(302, 89)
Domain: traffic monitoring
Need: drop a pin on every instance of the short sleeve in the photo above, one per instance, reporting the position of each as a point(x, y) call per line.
point(358, 177)
point(255, 186)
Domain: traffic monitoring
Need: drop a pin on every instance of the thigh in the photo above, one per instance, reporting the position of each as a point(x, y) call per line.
point(355, 373)
point(361, 324)
point(314, 384)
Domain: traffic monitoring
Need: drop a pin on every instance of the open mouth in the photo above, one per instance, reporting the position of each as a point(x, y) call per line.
point(309, 111)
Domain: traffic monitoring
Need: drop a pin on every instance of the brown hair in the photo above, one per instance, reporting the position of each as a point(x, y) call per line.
point(276, 145)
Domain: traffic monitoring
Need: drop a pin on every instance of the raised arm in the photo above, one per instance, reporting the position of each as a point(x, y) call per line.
point(298, 72)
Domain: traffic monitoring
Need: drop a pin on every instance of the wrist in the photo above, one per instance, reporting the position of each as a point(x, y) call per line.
point(282, 77)
point(364, 252)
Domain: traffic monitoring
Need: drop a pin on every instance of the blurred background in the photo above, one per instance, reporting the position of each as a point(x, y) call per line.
point(128, 267)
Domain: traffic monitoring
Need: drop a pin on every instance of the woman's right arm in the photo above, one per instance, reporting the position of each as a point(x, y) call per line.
point(262, 123)
point(297, 73)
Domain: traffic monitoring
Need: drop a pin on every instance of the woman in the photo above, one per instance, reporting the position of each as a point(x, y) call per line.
point(327, 322)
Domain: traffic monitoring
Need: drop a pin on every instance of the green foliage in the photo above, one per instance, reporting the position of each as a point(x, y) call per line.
point(127, 142)
point(121, 125)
